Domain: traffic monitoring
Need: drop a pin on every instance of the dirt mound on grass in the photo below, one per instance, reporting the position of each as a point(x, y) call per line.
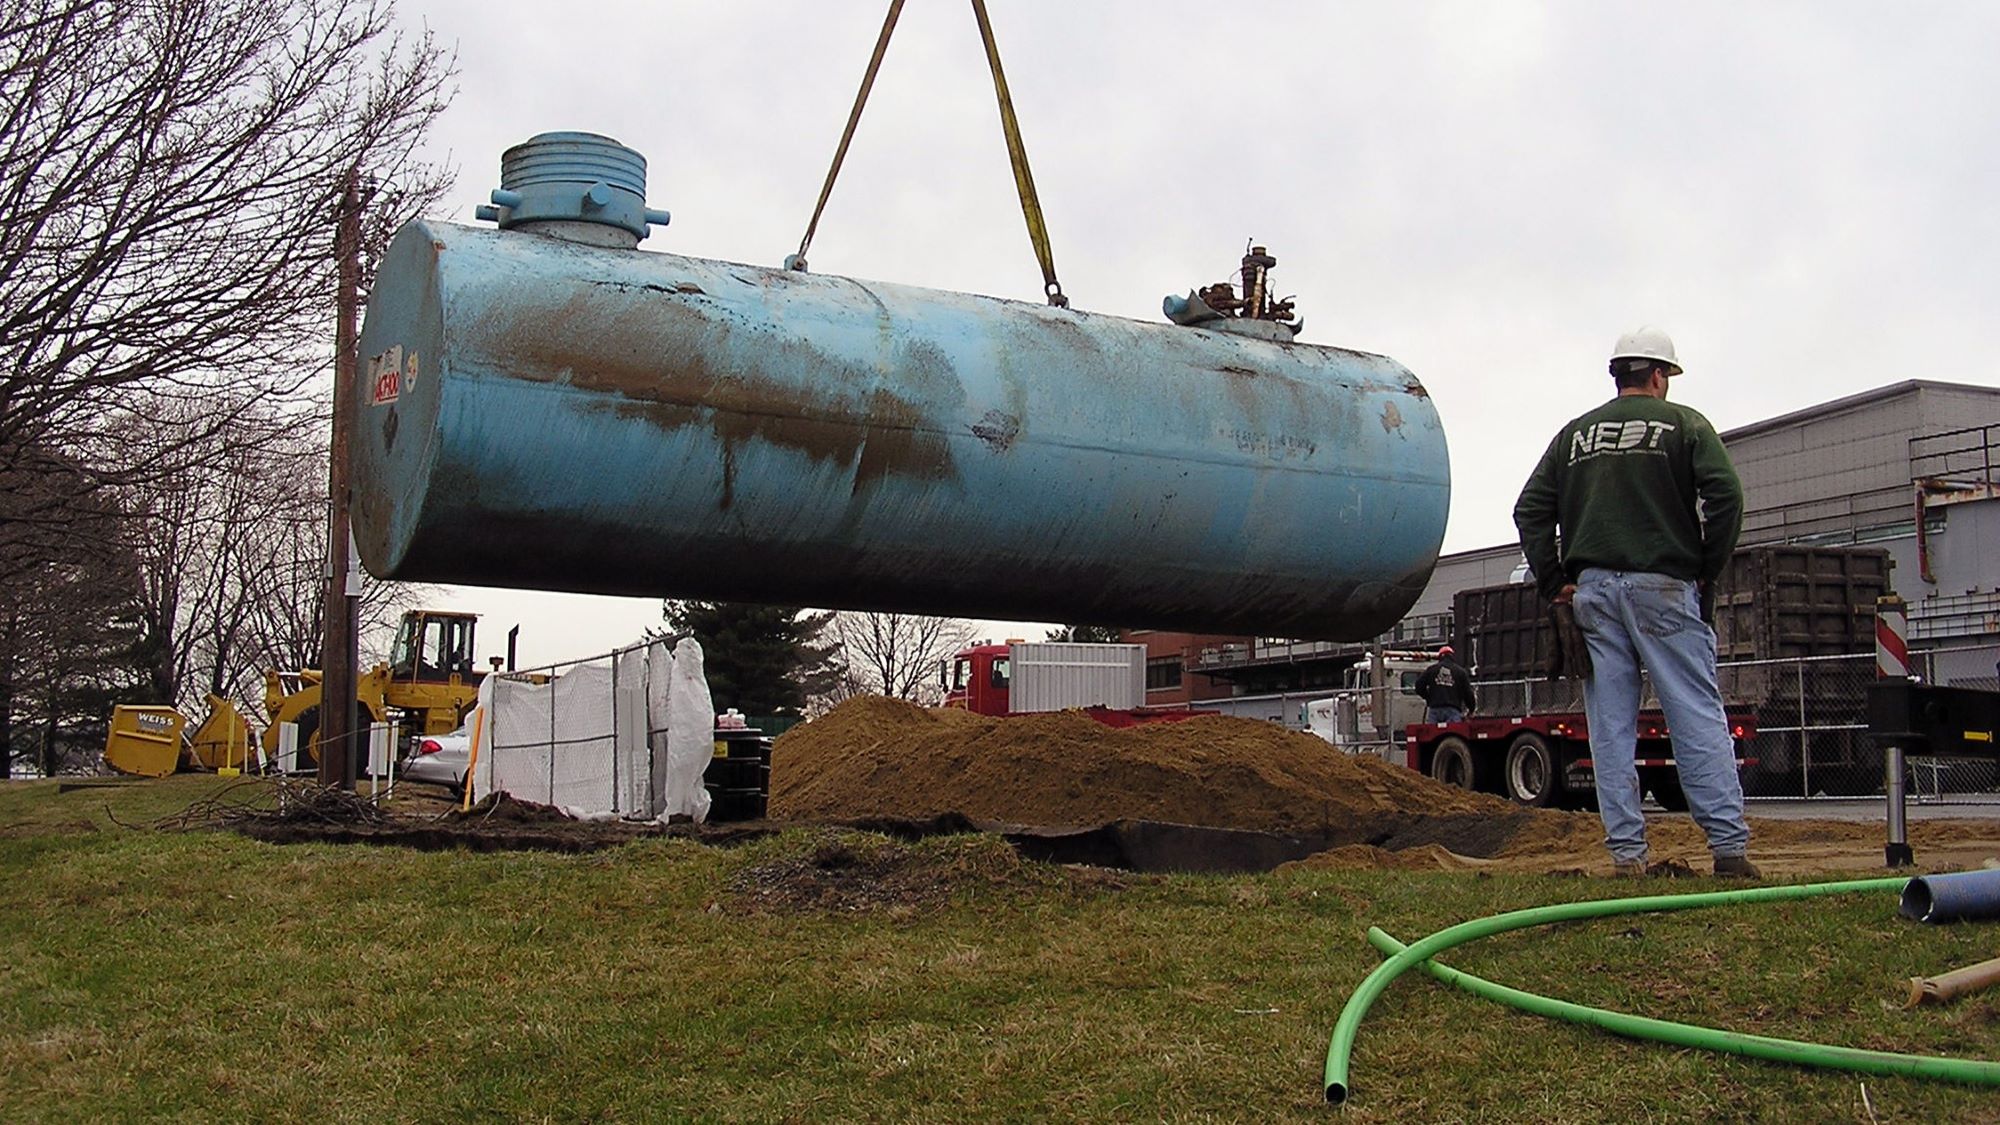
point(875, 758)
point(1573, 844)
point(1365, 857)
point(505, 808)
point(856, 873)
point(883, 760)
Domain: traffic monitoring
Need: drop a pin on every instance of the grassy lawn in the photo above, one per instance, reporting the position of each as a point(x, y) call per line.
point(205, 976)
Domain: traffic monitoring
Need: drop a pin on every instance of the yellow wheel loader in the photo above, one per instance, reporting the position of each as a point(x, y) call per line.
point(427, 687)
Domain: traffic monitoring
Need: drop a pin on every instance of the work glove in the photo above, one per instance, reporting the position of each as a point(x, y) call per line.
point(1571, 656)
point(1706, 592)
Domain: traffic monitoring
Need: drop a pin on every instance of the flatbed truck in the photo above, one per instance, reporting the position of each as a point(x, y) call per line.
point(1538, 756)
point(1544, 759)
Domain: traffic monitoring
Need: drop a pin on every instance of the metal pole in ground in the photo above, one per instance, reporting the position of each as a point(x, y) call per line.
point(1805, 747)
point(1892, 661)
point(337, 724)
point(616, 730)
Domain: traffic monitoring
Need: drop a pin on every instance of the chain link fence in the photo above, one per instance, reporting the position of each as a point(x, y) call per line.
point(1812, 728)
point(1947, 779)
point(574, 733)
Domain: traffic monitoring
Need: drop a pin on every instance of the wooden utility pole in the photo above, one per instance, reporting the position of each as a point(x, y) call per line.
point(338, 739)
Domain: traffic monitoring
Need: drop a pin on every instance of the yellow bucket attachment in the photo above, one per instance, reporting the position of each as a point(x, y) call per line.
point(223, 741)
point(144, 740)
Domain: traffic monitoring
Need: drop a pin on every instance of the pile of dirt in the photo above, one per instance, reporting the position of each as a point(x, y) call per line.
point(1365, 857)
point(856, 873)
point(1781, 847)
point(874, 759)
point(505, 808)
point(879, 761)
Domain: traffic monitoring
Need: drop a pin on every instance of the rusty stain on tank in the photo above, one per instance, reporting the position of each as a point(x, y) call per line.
point(1392, 418)
point(659, 378)
point(997, 430)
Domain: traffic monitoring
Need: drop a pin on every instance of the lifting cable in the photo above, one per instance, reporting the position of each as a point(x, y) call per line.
point(1017, 152)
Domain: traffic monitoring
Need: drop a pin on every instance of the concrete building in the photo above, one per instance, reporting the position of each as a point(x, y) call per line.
point(1170, 658)
point(1913, 467)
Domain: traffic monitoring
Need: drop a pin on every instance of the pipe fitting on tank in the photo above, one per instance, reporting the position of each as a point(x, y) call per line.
point(577, 186)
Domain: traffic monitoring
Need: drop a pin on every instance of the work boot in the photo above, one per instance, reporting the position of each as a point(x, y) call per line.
point(1628, 869)
point(1736, 867)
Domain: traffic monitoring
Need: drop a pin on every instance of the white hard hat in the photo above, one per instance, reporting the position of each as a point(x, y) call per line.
point(1646, 342)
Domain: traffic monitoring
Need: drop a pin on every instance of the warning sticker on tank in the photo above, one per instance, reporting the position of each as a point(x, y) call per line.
point(388, 376)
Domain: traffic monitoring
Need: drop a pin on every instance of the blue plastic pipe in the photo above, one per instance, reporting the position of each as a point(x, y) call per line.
point(1962, 896)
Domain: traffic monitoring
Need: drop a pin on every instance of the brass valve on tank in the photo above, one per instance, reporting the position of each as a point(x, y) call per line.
point(1255, 313)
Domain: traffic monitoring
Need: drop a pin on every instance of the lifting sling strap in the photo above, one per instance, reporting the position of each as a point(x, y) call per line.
point(1017, 152)
point(798, 260)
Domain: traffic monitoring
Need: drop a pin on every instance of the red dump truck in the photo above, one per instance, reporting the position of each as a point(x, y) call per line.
point(1105, 681)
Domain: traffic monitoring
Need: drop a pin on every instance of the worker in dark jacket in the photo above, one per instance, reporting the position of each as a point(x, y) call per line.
point(1629, 519)
point(1447, 689)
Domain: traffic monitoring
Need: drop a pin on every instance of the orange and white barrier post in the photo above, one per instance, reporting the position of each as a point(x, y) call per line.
point(1892, 661)
point(1892, 645)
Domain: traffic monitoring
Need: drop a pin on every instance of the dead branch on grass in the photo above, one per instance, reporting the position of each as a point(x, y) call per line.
point(298, 801)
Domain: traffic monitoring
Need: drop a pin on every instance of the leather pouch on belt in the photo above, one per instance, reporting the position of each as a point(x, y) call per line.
point(1570, 659)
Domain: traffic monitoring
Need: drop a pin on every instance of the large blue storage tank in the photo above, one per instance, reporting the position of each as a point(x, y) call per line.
point(540, 413)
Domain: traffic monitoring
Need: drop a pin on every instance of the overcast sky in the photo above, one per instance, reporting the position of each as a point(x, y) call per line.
point(1488, 192)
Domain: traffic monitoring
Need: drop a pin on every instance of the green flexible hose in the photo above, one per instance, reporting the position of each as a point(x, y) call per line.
point(1357, 1005)
point(1973, 1071)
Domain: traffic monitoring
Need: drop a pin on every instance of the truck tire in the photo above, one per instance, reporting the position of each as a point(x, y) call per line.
point(1451, 763)
point(1530, 773)
point(1666, 787)
point(308, 724)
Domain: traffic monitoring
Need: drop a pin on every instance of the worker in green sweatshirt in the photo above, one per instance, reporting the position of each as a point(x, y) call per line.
point(1629, 518)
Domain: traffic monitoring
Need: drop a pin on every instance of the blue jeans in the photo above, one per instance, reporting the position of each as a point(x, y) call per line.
point(1442, 714)
point(1632, 620)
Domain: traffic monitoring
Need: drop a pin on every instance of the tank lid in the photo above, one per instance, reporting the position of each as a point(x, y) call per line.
point(556, 181)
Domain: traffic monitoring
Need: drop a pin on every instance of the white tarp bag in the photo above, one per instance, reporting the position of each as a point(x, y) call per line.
point(626, 737)
point(659, 685)
point(690, 733)
point(633, 759)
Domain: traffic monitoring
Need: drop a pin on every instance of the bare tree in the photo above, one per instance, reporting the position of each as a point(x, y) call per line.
point(233, 559)
point(1084, 634)
point(897, 654)
point(166, 178)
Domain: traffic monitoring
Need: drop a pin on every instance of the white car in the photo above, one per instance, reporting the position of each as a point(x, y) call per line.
point(440, 758)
